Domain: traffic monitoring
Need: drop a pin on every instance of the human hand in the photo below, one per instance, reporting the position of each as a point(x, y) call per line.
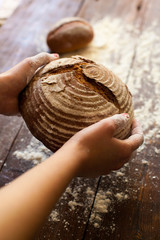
point(98, 152)
point(14, 81)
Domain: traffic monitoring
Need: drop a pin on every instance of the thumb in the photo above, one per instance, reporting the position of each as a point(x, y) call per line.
point(23, 72)
point(37, 61)
point(117, 122)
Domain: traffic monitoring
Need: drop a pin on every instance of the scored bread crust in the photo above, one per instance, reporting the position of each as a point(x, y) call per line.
point(70, 94)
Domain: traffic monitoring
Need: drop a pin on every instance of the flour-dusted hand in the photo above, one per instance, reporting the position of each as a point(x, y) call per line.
point(99, 152)
point(14, 81)
point(91, 152)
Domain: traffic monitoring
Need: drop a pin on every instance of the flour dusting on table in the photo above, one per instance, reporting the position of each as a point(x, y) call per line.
point(115, 45)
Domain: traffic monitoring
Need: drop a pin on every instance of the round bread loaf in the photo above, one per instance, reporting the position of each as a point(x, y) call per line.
point(70, 94)
point(69, 34)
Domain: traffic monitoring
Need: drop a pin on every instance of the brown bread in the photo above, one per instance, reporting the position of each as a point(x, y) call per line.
point(70, 94)
point(69, 34)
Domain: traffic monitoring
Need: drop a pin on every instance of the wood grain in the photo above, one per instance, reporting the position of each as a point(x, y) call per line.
point(20, 44)
point(28, 23)
point(136, 217)
point(9, 128)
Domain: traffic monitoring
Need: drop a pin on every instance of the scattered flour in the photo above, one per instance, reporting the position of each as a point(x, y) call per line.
point(74, 204)
point(119, 174)
point(101, 206)
point(115, 45)
point(106, 199)
point(35, 152)
point(121, 196)
point(144, 162)
point(54, 216)
point(6, 9)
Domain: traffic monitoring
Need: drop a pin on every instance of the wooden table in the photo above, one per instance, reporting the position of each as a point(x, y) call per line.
point(125, 204)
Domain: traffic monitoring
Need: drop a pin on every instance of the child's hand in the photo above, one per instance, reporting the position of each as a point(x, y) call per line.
point(99, 152)
point(14, 81)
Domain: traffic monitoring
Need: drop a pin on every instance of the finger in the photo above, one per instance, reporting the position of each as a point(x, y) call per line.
point(39, 60)
point(23, 72)
point(116, 122)
point(136, 139)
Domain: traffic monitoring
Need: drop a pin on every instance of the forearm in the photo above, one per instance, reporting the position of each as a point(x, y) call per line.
point(27, 201)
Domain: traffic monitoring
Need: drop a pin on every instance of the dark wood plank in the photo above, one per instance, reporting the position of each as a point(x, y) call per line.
point(9, 128)
point(137, 216)
point(17, 41)
point(127, 10)
point(33, 24)
point(149, 188)
point(131, 196)
point(13, 166)
point(73, 209)
point(28, 23)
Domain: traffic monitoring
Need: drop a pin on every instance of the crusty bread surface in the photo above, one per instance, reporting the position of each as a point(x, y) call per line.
point(69, 34)
point(70, 94)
